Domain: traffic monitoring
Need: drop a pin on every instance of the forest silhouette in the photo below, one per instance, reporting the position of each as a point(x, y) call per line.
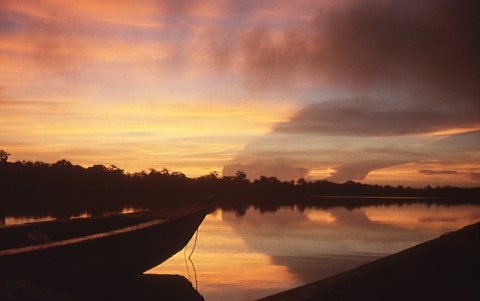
point(63, 190)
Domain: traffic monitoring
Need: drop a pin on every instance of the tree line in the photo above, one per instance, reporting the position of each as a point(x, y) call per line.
point(37, 185)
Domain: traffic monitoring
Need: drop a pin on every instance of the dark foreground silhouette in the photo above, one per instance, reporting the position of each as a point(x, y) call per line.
point(114, 246)
point(101, 258)
point(141, 288)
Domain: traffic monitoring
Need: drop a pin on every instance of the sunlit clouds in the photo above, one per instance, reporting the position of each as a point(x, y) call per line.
point(342, 90)
point(409, 71)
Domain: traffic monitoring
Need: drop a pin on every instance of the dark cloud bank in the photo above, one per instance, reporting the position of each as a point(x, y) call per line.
point(474, 175)
point(367, 117)
point(424, 53)
point(430, 45)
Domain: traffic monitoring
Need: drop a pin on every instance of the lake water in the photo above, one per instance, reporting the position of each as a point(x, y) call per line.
point(259, 254)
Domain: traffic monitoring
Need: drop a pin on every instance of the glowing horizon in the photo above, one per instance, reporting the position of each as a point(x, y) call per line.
point(373, 91)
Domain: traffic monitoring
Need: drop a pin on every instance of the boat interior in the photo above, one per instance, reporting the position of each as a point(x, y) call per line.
point(18, 236)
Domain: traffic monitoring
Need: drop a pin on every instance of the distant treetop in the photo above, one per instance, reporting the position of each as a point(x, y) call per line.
point(4, 155)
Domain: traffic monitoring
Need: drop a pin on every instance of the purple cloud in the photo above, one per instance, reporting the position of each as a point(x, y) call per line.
point(366, 117)
point(437, 172)
point(424, 46)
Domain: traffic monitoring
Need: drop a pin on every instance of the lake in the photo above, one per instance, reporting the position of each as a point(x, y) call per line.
point(252, 254)
point(258, 254)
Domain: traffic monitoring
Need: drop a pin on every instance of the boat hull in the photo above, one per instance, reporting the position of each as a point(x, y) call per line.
point(115, 255)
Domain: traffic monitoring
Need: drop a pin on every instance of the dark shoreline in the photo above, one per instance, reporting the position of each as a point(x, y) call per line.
point(62, 190)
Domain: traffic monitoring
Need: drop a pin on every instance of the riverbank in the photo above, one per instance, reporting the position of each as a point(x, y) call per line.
point(445, 268)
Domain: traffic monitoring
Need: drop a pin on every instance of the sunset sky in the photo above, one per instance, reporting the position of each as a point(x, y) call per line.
point(381, 92)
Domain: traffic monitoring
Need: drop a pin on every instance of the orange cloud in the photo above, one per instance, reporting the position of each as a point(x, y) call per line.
point(461, 174)
point(128, 77)
point(123, 11)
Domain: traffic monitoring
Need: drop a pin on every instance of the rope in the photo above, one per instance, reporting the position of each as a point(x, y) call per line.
point(190, 259)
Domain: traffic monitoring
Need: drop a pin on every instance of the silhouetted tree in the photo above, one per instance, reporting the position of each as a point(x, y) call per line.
point(4, 156)
point(241, 176)
point(301, 181)
point(213, 175)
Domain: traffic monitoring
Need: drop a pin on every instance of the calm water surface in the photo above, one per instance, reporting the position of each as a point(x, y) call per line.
point(259, 254)
point(252, 256)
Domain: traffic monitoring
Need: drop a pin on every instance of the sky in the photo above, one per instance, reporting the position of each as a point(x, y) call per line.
point(381, 92)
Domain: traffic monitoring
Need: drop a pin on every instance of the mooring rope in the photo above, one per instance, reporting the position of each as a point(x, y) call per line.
point(190, 259)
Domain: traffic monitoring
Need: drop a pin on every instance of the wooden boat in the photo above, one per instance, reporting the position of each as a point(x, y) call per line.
point(97, 248)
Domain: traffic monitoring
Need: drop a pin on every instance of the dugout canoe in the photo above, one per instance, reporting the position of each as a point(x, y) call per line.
point(118, 246)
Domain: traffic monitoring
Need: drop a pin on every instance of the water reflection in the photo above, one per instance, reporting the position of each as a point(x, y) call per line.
point(436, 219)
point(257, 254)
point(227, 268)
point(11, 220)
point(24, 219)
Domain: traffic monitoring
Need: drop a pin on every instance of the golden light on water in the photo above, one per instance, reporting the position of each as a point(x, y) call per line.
point(436, 219)
point(227, 266)
point(320, 216)
point(258, 254)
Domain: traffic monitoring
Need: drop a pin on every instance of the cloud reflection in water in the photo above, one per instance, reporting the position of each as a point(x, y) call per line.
point(258, 254)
